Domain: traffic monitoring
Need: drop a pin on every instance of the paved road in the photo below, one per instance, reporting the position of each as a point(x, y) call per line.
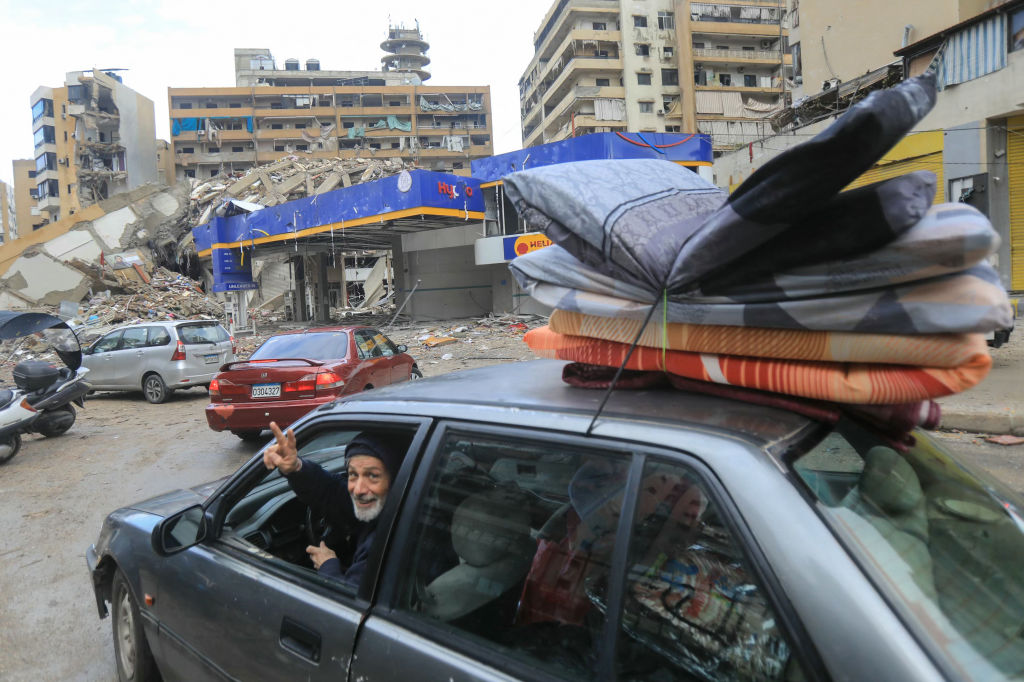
point(55, 493)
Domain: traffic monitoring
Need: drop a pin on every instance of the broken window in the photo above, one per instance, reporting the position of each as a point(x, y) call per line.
point(213, 172)
point(190, 173)
point(724, 79)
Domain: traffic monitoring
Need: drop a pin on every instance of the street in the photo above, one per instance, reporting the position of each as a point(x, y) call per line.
point(55, 494)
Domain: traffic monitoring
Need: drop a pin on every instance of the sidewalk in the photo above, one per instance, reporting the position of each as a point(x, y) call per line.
point(996, 405)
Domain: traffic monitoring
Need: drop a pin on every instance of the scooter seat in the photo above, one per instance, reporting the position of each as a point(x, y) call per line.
point(6, 397)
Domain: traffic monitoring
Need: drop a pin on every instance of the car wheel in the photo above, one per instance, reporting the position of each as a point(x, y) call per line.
point(249, 435)
point(415, 373)
point(154, 388)
point(59, 426)
point(9, 448)
point(135, 661)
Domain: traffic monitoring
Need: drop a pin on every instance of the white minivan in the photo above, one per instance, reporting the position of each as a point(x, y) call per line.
point(158, 357)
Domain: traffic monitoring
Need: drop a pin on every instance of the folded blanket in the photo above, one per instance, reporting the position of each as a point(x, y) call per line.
point(926, 350)
point(836, 382)
point(648, 223)
point(970, 301)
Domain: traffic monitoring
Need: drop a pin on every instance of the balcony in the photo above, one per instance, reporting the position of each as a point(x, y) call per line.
point(215, 157)
point(50, 204)
point(610, 37)
point(262, 111)
point(207, 112)
point(288, 133)
point(712, 56)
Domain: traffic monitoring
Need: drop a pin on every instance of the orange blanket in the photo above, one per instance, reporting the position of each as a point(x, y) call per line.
point(855, 383)
point(926, 350)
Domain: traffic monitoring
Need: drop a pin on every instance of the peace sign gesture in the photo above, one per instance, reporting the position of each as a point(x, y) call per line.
point(282, 455)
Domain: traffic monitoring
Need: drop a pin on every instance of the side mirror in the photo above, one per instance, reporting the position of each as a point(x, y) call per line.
point(180, 531)
point(402, 348)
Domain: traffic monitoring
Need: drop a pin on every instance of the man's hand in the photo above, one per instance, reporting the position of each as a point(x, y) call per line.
point(320, 554)
point(282, 455)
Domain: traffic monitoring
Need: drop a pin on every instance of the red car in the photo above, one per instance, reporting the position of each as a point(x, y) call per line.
point(295, 372)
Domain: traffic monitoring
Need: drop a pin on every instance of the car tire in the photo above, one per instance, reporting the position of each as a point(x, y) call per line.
point(415, 373)
point(154, 388)
point(59, 429)
point(250, 436)
point(134, 660)
point(9, 448)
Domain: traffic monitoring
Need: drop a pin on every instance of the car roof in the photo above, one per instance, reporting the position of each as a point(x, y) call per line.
point(348, 328)
point(506, 392)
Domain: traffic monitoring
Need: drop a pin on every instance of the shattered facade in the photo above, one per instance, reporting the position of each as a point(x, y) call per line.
point(94, 138)
point(318, 115)
point(663, 66)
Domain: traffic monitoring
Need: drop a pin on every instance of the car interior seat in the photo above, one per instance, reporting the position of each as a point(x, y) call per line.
point(490, 532)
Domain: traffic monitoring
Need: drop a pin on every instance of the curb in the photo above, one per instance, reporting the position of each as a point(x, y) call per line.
point(982, 422)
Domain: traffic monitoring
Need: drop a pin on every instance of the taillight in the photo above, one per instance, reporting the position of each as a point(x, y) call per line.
point(25, 405)
point(304, 385)
point(215, 387)
point(326, 381)
point(234, 348)
point(179, 352)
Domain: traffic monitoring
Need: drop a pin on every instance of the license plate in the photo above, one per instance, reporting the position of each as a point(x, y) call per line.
point(210, 359)
point(266, 390)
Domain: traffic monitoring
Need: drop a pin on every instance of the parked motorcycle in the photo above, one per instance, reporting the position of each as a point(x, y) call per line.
point(42, 400)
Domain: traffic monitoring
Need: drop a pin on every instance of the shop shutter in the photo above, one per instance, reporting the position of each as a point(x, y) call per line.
point(1015, 163)
point(917, 151)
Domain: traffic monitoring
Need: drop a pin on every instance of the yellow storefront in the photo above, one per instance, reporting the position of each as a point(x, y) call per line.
point(1015, 165)
point(917, 151)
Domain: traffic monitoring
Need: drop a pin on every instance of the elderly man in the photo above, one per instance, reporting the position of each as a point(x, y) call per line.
point(371, 465)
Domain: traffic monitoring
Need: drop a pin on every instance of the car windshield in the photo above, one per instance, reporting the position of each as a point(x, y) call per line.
point(313, 346)
point(946, 548)
point(210, 332)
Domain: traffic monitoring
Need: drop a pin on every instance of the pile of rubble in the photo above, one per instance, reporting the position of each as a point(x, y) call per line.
point(285, 180)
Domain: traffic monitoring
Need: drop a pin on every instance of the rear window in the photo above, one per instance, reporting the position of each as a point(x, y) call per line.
point(203, 333)
point(314, 346)
point(945, 547)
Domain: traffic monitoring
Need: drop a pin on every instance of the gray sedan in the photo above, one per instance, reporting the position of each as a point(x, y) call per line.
point(678, 536)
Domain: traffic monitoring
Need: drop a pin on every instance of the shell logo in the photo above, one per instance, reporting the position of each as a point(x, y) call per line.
point(530, 242)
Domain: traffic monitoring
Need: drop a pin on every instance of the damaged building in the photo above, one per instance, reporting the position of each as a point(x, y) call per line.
point(316, 114)
point(94, 138)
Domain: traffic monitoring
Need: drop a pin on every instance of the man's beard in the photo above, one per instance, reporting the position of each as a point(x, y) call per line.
point(368, 513)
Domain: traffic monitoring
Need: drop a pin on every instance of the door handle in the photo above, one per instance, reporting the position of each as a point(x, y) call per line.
point(300, 640)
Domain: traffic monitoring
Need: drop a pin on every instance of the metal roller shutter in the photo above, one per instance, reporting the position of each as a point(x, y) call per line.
point(918, 151)
point(1015, 164)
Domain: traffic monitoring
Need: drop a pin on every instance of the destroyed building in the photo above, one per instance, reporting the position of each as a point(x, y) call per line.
point(315, 114)
point(94, 138)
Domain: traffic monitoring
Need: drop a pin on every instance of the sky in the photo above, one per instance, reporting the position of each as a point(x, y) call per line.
point(191, 44)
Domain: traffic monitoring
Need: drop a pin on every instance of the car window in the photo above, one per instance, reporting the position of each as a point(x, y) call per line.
point(387, 348)
point(209, 332)
point(367, 346)
point(693, 608)
point(134, 338)
point(944, 547)
point(108, 342)
point(158, 336)
point(312, 346)
point(513, 547)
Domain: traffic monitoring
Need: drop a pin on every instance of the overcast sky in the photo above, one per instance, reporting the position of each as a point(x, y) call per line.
point(186, 43)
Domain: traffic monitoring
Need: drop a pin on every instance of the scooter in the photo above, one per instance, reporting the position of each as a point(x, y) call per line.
point(42, 400)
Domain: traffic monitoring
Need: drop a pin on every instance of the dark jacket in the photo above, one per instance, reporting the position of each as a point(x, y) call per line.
point(327, 494)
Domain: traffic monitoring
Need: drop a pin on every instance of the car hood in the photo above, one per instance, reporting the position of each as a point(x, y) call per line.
point(169, 503)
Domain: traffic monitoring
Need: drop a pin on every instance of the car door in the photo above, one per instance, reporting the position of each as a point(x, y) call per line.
point(373, 368)
point(230, 607)
point(399, 365)
point(158, 351)
point(100, 360)
point(538, 539)
point(127, 360)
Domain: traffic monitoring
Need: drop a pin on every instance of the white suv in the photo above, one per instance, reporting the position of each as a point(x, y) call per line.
point(158, 357)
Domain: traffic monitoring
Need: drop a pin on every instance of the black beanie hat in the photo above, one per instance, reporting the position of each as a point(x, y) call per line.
point(390, 451)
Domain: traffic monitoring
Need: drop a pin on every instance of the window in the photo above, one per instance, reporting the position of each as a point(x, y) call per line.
point(45, 135)
point(724, 79)
point(107, 343)
point(366, 346)
point(301, 147)
point(235, 105)
point(672, 129)
point(134, 337)
point(300, 126)
point(43, 107)
point(213, 150)
point(237, 149)
point(749, 81)
point(668, 52)
point(47, 188)
point(603, 82)
point(185, 105)
point(643, 79)
point(698, 46)
point(646, 107)
point(188, 150)
point(599, 26)
point(513, 546)
point(190, 173)
point(748, 48)
point(639, 21)
point(387, 347)
point(670, 76)
point(348, 124)
point(213, 172)
point(278, 147)
point(46, 161)
point(204, 332)
point(277, 126)
point(643, 50)
point(314, 345)
point(666, 20)
point(721, 47)
point(692, 604)
point(158, 336)
point(924, 529)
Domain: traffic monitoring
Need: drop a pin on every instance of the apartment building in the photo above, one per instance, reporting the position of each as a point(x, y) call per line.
point(656, 66)
point(8, 216)
point(27, 216)
point(313, 113)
